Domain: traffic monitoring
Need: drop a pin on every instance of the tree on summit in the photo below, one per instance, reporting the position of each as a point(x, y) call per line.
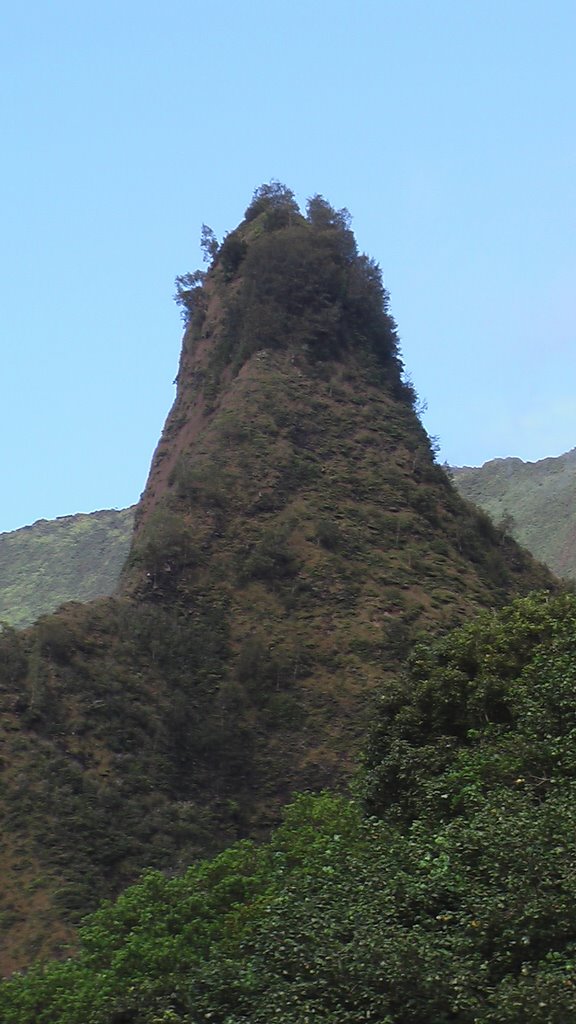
point(277, 202)
point(321, 215)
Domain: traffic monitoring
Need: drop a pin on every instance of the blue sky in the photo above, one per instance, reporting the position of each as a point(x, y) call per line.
point(447, 129)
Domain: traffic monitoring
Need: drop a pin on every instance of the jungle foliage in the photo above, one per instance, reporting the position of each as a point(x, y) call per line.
point(449, 898)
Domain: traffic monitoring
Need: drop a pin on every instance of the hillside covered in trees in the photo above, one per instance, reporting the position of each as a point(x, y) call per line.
point(51, 562)
point(535, 502)
point(443, 892)
point(294, 540)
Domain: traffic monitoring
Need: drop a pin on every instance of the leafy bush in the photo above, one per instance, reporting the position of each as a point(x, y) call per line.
point(189, 294)
point(341, 921)
point(271, 559)
point(492, 703)
point(276, 202)
point(328, 534)
point(232, 252)
point(165, 546)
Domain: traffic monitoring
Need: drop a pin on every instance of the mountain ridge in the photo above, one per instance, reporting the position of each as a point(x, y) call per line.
point(52, 561)
point(535, 501)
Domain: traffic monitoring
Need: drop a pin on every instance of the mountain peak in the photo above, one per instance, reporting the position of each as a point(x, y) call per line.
point(281, 282)
point(284, 280)
point(294, 537)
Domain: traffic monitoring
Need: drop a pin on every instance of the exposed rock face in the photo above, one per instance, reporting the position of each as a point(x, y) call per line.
point(295, 535)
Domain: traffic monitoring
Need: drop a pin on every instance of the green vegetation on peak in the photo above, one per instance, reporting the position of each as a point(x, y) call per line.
point(73, 558)
point(285, 281)
point(535, 502)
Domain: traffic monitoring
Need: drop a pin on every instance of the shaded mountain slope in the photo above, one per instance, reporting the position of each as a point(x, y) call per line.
point(73, 558)
point(536, 501)
point(295, 535)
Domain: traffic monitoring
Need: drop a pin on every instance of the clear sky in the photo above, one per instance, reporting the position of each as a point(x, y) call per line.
point(447, 128)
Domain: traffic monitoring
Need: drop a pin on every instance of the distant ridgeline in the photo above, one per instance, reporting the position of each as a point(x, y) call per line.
point(74, 558)
point(535, 502)
point(294, 539)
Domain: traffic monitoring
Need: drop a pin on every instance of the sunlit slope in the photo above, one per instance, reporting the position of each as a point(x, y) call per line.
point(534, 501)
point(73, 558)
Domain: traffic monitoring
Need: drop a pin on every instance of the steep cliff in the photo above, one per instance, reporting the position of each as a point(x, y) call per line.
point(294, 537)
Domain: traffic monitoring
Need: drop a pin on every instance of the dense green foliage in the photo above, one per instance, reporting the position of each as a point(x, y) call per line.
point(457, 905)
point(535, 502)
point(75, 558)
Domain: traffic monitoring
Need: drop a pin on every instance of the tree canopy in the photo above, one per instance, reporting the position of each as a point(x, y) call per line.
point(452, 902)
